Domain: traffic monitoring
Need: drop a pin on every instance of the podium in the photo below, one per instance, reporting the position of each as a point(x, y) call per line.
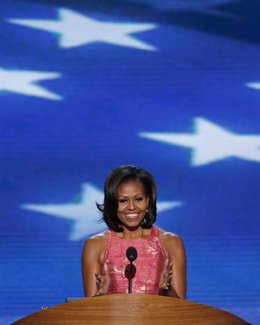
point(133, 309)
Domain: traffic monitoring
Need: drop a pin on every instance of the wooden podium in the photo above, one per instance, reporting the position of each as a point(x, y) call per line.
point(133, 309)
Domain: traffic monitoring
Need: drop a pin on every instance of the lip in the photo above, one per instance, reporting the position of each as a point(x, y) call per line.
point(132, 215)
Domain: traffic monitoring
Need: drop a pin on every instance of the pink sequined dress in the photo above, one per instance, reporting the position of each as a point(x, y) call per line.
point(149, 263)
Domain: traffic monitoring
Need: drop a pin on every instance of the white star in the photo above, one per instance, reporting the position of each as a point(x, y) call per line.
point(85, 213)
point(166, 205)
point(253, 85)
point(211, 143)
point(23, 82)
point(75, 30)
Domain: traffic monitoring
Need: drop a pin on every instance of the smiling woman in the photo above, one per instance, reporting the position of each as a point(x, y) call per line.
point(129, 210)
point(132, 204)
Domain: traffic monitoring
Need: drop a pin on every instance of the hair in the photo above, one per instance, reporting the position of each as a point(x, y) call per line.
point(121, 175)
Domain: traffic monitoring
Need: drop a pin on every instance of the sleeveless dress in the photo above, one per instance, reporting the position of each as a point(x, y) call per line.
point(149, 263)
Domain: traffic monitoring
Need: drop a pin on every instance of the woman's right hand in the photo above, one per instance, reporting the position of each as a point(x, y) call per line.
point(102, 281)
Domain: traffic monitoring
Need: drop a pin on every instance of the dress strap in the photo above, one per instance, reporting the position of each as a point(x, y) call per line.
point(110, 234)
point(155, 236)
point(154, 231)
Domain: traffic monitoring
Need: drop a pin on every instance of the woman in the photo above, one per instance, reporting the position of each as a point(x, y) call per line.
point(129, 210)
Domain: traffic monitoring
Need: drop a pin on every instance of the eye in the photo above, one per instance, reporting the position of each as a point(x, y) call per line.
point(139, 199)
point(122, 200)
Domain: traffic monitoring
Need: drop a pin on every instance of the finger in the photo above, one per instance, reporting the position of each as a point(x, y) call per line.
point(105, 269)
point(166, 263)
point(166, 285)
point(99, 292)
point(169, 274)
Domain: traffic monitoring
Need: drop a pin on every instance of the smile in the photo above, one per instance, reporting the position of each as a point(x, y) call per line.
point(132, 215)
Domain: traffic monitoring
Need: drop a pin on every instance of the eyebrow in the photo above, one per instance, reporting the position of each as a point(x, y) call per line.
point(120, 196)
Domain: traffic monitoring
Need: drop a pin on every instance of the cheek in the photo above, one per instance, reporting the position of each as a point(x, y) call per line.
point(146, 203)
point(143, 207)
point(120, 208)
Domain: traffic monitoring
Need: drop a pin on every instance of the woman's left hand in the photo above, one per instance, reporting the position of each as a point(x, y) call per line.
point(166, 276)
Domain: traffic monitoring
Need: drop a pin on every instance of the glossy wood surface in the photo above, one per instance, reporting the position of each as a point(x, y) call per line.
point(131, 309)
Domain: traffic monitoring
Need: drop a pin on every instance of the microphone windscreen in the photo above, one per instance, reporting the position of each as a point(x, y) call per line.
point(131, 253)
point(130, 271)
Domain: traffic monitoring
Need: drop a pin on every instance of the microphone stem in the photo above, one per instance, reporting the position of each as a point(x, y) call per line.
point(130, 286)
point(130, 278)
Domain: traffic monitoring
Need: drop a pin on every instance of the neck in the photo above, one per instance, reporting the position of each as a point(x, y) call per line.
point(138, 233)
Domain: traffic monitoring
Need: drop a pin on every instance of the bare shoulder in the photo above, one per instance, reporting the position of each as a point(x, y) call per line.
point(171, 241)
point(169, 237)
point(97, 241)
point(98, 237)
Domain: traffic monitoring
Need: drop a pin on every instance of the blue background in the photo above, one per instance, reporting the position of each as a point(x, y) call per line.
point(205, 55)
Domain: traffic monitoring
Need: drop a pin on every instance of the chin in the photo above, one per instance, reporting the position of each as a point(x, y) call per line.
point(133, 225)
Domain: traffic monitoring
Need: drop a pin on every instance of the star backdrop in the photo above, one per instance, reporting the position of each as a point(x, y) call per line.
point(173, 87)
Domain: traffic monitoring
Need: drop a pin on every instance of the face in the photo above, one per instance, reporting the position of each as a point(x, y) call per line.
point(132, 203)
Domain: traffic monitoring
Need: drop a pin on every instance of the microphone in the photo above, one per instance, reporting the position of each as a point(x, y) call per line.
point(131, 254)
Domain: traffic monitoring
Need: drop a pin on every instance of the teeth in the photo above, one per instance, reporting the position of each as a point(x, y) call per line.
point(132, 215)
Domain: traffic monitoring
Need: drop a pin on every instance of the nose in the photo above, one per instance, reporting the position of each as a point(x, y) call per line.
point(131, 205)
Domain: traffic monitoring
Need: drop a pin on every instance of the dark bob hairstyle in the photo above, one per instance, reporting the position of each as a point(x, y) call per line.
point(121, 175)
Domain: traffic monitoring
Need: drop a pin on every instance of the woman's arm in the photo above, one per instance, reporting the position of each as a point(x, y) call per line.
point(175, 251)
point(94, 272)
